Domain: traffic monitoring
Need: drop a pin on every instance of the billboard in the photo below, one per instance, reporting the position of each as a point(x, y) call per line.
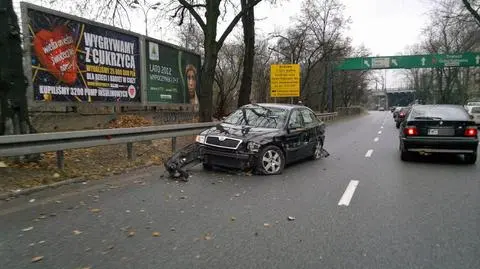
point(172, 74)
point(77, 61)
point(285, 80)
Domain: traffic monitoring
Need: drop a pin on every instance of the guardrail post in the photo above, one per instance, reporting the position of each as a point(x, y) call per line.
point(174, 144)
point(130, 151)
point(60, 159)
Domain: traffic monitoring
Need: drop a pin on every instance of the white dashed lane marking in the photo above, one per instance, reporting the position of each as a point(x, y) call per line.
point(369, 153)
point(376, 139)
point(348, 194)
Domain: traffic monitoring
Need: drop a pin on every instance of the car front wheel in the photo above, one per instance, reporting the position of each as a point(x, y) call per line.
point(270, 161)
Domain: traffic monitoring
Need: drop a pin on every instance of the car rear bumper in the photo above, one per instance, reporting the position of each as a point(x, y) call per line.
point(229, 159)
point(440, 144)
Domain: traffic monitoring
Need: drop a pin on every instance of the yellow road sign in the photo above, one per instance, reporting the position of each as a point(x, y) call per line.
point(284, 80)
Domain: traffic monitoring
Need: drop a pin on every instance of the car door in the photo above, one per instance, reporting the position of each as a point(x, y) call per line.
point(311, 132)
point(295, 137)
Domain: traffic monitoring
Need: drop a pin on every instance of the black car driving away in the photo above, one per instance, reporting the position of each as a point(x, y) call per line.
point(439, 129)
point(263, 137)
point(399, 115)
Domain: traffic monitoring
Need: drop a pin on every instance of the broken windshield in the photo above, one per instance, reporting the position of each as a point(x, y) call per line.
point(258, 116)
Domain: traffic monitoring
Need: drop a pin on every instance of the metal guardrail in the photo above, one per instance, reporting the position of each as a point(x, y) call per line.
point(327, 116)
point(18, 145)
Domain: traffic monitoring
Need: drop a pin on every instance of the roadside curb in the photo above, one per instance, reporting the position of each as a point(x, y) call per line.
point(5, 196)
point(10, 195)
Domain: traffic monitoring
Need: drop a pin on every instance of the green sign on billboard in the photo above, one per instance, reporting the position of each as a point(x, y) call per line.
point(172, 75)
point(466, 59)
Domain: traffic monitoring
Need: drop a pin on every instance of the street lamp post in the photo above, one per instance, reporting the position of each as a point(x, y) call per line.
point(145, 8)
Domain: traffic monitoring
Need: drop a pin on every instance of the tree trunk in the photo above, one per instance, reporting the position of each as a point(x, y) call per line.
point(248, 22)
point(14, 118)
point(209, 63)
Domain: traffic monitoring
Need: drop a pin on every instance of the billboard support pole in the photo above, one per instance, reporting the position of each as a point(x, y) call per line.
point(143, 69)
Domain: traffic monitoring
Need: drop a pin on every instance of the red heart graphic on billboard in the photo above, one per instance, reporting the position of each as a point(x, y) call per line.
point(56, 51)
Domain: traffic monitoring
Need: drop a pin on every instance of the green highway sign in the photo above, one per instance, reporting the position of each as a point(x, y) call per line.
point(465, 59)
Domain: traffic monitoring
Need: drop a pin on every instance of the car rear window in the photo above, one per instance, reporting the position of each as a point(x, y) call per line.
point(439, 112)
point(475, 109)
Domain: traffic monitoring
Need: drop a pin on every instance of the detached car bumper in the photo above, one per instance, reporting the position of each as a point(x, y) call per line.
point(456, 145)
point(226, 158)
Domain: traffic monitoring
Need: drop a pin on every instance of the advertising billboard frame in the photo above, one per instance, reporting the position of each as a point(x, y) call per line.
point(28, 56)
point(146, 72)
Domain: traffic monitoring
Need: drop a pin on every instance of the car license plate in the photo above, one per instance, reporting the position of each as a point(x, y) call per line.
point(432, 131)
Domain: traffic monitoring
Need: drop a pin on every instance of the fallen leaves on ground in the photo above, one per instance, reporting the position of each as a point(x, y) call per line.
point(37, 258)
point(155, 234)
point(267, 225)
point(77, 232)
point(131, 233)
point(129, 121)
point(95, 210)
point(87, 163)
point(207, 237)
point(27, 229)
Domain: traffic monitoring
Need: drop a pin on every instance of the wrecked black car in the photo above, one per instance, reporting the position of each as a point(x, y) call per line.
point(263, 138)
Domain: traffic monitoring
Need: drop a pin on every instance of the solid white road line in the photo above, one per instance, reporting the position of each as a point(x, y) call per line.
point(379, 132)
point(376, 139)
point(369, 153)
point(381, 127)
point(348, 194)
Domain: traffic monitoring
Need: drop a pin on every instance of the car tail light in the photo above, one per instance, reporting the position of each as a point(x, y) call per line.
point(471, 131)
point(402, 114)
point(410, 130)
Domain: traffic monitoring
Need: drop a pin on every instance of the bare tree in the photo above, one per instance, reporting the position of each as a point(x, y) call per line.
point(114, 12)
point(191, 36)
point(315, 41)
point(227, 77)
point(352, 86)
point(208, 24)
point(261, 71)
point(325, 23)
point(450, 31)
point(248, 25)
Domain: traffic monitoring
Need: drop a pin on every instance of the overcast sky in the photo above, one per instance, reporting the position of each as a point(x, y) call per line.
point(386, 27)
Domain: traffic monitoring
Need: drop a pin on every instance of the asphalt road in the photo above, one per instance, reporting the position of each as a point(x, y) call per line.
point(422, 214)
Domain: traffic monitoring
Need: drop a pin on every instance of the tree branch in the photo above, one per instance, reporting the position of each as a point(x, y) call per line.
point(196, 16)
point(472, 11)
point(234, 22)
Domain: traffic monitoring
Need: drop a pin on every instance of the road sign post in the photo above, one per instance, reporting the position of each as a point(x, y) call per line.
point(284, 80)
point(466, 59)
